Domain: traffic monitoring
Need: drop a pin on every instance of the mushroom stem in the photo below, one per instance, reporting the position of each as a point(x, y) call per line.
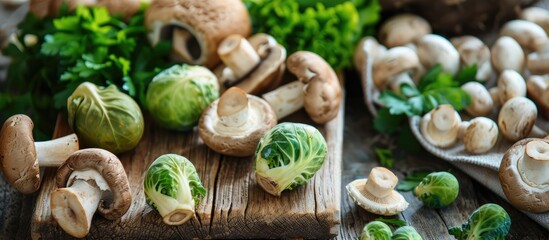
point(54, 152)
point(233, 107)
point(534, 166)
point(398, 80)
point(286, 99)
point(381, 182)
point(73, 207)
point(268, 185)
point(238, 55)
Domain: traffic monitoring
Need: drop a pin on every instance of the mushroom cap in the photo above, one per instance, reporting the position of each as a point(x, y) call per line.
point(510, 84)
point(471, 50)
point(112, 170)
point(268, 74)
point(507, 54)
point(517, 117)
point(367, 48)
point(440, 128)
point(525, 195)
point(207, 21)
point(390, 204)
point(481, 135)
point(538, 62)
point(402, 29)
point(528, 34)
point(237, 141)
point(322, 92)
point(434, 49)
point(393, 62)
point(537, 87)
point(18, 154)
point(482, 103)
point(537, 15)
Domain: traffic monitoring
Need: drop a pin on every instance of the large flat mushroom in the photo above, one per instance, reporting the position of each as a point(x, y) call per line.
point(197, 27)
point(21, 156)
point(91, 179)
point(234, 124)
point(317, 89)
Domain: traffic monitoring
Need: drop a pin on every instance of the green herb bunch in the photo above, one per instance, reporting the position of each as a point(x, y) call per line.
point(87, 45)
point(328, 28)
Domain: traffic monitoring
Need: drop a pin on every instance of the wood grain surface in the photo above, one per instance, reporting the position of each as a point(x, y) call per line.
point(235, 206)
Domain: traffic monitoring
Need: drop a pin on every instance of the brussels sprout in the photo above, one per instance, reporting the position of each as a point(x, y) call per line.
point(178, 95)
point(288, 156)
point(438, 189)
point(489, 221)
point(105, 118)
point(376, 230)
point(173, 187)
point(406, 233)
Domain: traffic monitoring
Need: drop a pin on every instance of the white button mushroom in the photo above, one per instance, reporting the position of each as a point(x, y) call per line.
point(523, 175)
point(473, 51)
point(481, 100)
point(537, 15)
point(434, 49)
point(507, 54)
point(516, 118)
point(538, 90)
point(479, 135)
point(402, 29)
point(21, 156)
point(528, 34)
point(538, 62)
point(510, 84)
point(393, 68)
point(376, 193)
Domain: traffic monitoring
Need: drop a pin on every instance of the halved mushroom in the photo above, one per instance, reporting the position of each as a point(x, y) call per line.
point(376, 193)
point(510, 84)
point(434, 49)
point(523, 175)
point(234, 124)
point(196, 26)
point(537, 15)
point(440, 127)
point(320, 89)
point(528, 34)
point(394, 67)
point(91, 179)
point(538, 90)
point(481, 100)
point(516, 118)
point(402, 29)
point(255, 65)
point(507, 54)
point(21, 156)
point(473, 51)
point(44, 8)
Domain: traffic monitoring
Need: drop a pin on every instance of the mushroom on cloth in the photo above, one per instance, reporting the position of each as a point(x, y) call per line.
point(376, 195)
point(516, 118)
point(317, 89)
point(91, 179)
point(523, 175)
point(234, 124)
point(21, 156)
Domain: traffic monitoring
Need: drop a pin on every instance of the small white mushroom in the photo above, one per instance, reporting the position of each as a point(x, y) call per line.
point(538, 90)
point(368, 48)
point(507, 54)
point(393, 68)
point(482, 103)
point(479, 135)
point(510, 84)
point(516, 118)
point(402, 29)
point(473, 51)
point(434, 49)
point(528, 34)
point(537, 15)
point(538, 62)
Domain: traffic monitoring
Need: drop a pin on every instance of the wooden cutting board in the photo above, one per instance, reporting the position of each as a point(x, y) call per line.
point(235, 206)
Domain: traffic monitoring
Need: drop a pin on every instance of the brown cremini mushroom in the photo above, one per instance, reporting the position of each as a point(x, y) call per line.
point(91, 179)
point(234, 124)
point(44, 8)
point(516, 118)
point(255, 65)
point(523, 175)
point(197, 27)
point(376, 193)
point(320, 89)
point(21, 156)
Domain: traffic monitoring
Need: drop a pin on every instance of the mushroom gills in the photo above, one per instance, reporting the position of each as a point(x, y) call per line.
point(185, 44)
point(534, 166)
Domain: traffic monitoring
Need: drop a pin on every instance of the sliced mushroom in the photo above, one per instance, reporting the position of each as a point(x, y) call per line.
point(393, 68)
point(433, 49)
point(523, 175)
point(402, 29)
point(510, 84)
point(537, 15)
point(91, 179)
point(376, 193)
point(255, 65)
point(21, 156)
point(507, 54)
point(528, 34)
point(234, 124)
point(321, 90)
point(538, 90)
point(473, 51)
point(440, 127)
point(516, 118)
point(482, 103)
point(196, 26)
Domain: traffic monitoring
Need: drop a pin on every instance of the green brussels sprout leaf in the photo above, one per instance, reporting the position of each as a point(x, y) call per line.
point(105, 118)
point(438, 189)
point(489, 221)
point(406, 233)
point(392, 221)
point(173, 188)
point(288, 156)
point(376, 230)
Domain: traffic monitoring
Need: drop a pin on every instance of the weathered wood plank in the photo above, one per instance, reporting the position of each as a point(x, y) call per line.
point(234, 206)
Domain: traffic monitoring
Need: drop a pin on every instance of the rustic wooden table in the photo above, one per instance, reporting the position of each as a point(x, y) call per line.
point(360, 139)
